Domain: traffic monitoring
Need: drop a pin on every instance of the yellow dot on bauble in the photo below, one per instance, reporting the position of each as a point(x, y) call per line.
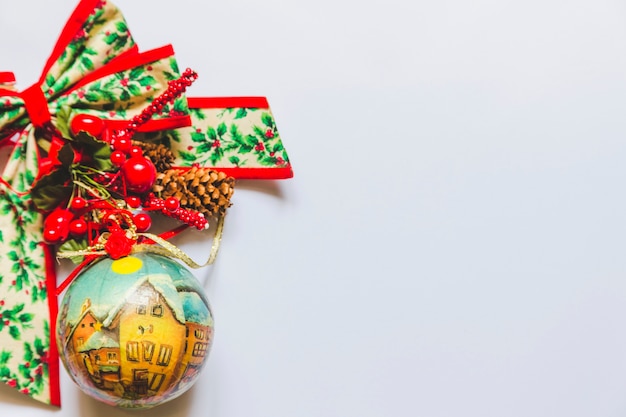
point(126, 265)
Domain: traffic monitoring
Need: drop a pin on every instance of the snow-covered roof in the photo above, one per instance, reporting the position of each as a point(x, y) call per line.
point(99, 340)
point(195, 309)
point(161, 283)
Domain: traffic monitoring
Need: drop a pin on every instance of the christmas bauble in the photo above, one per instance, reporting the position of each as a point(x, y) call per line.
point(134, 332)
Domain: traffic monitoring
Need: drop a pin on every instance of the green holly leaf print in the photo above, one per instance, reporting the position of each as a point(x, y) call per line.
point(221, 129)
point(235, 160)
point(14, 332)
point(267, 120)
point(124, 95)
point(92, 96)
point(198, 137)
point(121, 26)
point(26, 318)
point(217, 155)
point(134, 90)
point(28, 352)
point(187, 156)
point(241, 113)
point(147, 80)
point(210, 132)
point(197, 114)
point(278, 147)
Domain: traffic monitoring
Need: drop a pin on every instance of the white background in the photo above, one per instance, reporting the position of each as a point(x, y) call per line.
point(452, 243)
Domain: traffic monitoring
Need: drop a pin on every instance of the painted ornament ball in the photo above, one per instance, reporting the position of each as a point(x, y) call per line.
point(134, 332)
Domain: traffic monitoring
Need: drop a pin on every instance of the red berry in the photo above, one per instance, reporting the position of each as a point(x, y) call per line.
point(133, 202)
point(121, 144)
point(27, 365)
point(87, 123)
point(172, 203)
point(52, 236)
point(269, 133)
point(1, 302)
point(57, 225)
point(78, 227)
point(136, 151)
point(78, 203)
point(7, 322)
point(139, 174)
point(142, 222)
point(118, 158)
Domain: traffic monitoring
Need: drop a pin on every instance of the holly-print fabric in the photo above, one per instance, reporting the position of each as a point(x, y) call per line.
point(237, 135)
point(26, 362)
point(95, 68)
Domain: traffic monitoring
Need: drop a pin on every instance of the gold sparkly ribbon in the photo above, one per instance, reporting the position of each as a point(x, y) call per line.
point(161, 247)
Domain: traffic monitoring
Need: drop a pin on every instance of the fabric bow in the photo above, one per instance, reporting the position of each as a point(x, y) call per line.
point(95, 68)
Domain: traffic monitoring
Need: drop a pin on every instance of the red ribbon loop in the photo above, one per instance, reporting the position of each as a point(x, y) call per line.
point(36, 105)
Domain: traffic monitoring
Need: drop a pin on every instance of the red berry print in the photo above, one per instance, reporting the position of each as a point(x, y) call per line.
point(259, 147)
point(269, 133)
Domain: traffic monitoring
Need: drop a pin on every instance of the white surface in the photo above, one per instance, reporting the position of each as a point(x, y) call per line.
point(453, 241)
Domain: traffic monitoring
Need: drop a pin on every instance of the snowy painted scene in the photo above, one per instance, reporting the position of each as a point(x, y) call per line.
point(138, 327)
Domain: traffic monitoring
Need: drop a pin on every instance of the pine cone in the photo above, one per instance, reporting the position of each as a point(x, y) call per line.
point(200, 189)
point(161, 156)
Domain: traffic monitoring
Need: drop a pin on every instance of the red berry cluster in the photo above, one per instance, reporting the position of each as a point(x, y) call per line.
point(110, 201)
point(171, 208)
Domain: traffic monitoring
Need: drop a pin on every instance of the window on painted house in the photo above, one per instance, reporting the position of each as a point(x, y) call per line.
point(157, 310)
point(156, 381)
point(132, 351)
point(165, 354)
point(199, 349)
point(148, 351)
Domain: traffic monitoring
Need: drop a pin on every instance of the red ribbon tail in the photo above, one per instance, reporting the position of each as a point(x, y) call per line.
point(88, 259)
